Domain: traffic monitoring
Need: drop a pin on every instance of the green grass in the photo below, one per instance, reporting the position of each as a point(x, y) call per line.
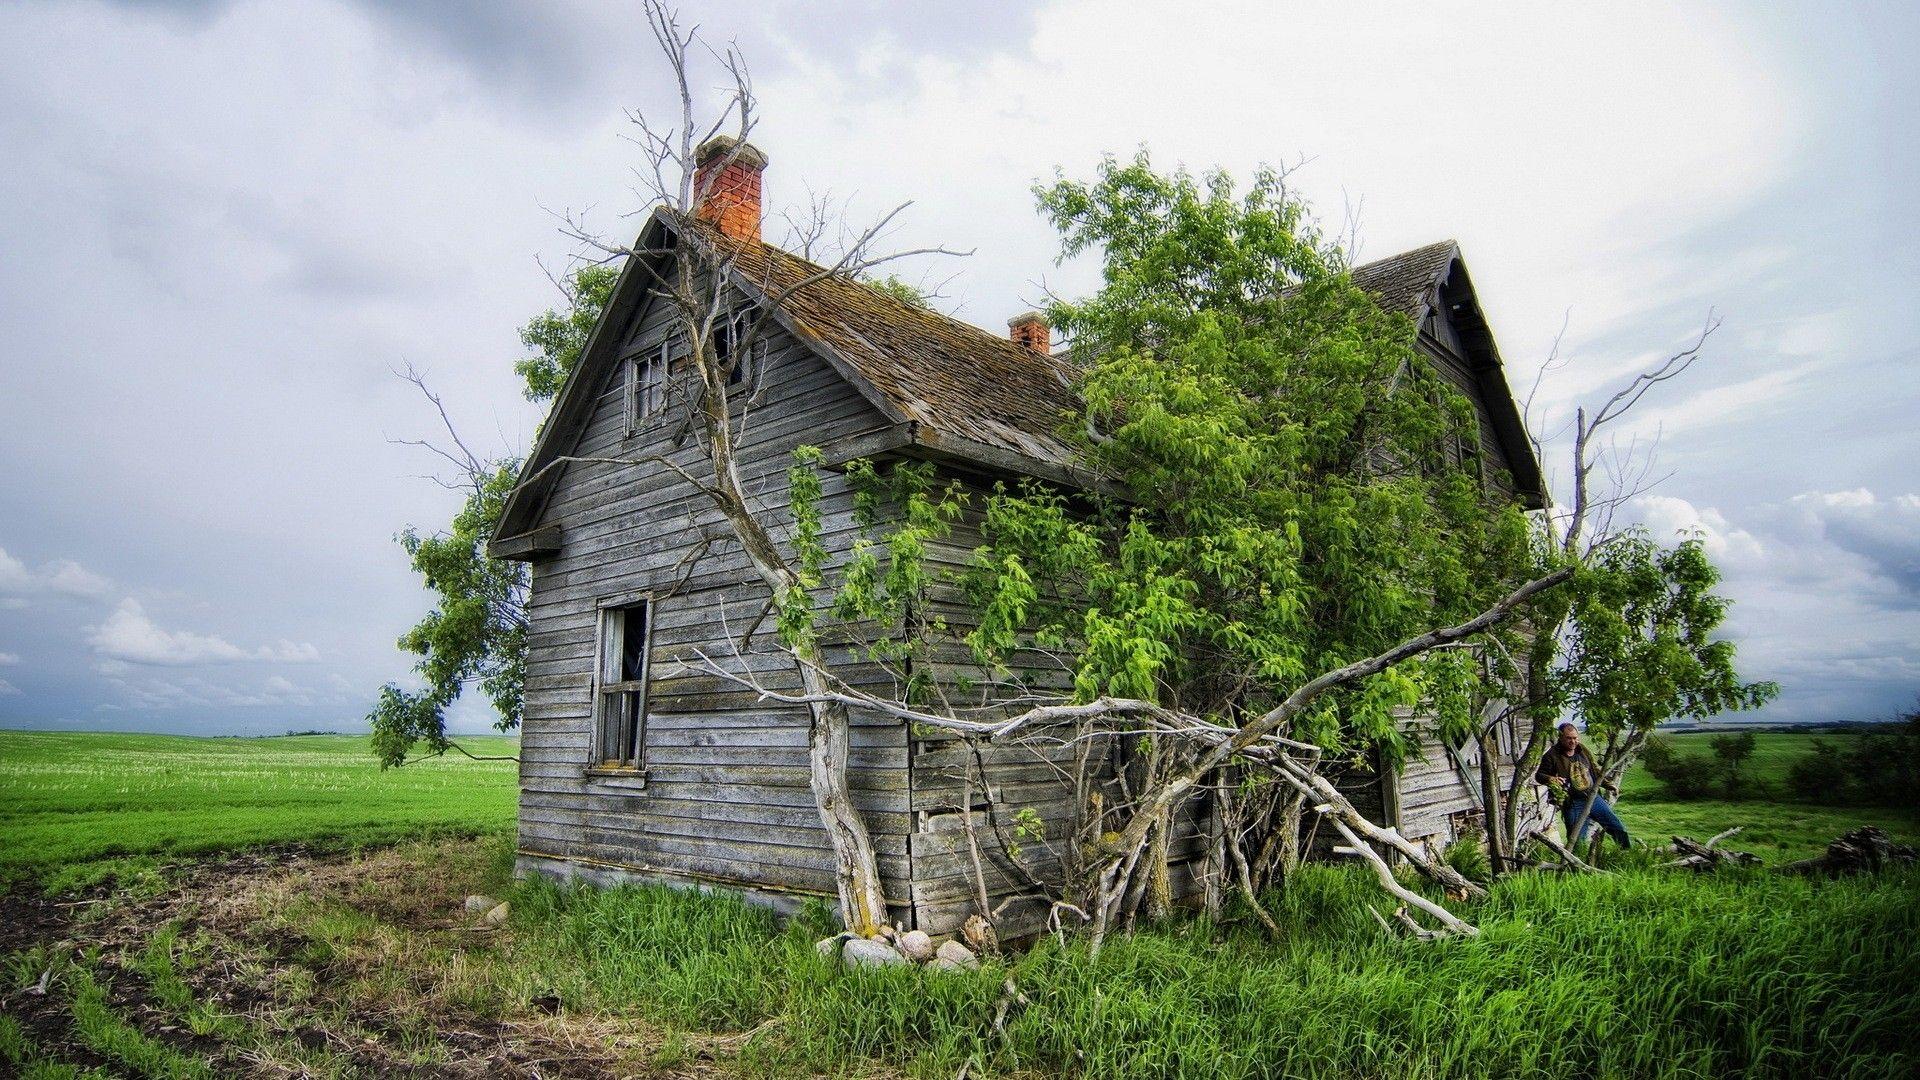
point(77, 807)
point(1644, 973)
point(1776, 828)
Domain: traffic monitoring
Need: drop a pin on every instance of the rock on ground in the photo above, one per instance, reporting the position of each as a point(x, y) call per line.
point(861, 952)
point(916, 946)
point(956, 955)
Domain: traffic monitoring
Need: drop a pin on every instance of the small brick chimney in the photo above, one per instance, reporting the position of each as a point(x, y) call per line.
point(1031, 330)
point(726, 185)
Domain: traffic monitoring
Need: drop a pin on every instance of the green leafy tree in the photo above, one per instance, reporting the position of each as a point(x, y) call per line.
point(1289, 491)
point(1720, 771)
point(1286, 488)
point(1819, 775)
point(900, 289)
point(476, 634)
point(1877, 767)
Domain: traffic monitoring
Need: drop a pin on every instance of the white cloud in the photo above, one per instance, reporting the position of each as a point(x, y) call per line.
point(1883, 534)
point(1826, 591)
point(145, 690)
point(13, 574)
point(129, 636)
point(1724, 403)
point(9, 658)
point(70, 578)
point(1668, 518)
point(7, 688)
point(61, 576)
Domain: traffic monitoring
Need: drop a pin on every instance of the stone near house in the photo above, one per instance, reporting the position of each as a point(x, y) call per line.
point(495, 916)
point(863, 952)
point(954, 954)
point(480, 903)
point(916, 946)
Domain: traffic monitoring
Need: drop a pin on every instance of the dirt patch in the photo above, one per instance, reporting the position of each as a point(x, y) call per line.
point(273, 996)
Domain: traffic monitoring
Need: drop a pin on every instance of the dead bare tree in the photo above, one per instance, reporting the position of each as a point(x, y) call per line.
point(699, 274)
point(1604, 475)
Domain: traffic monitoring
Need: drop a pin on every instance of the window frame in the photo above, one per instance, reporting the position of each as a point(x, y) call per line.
point(646, 400)
point(612, 629)
point(746, 370)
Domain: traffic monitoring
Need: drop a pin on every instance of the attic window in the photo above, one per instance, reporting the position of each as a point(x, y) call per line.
point(647, 386)
point(726, 341)
point(620, 686)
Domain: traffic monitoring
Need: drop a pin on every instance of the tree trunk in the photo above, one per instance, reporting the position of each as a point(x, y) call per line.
point(1537, 737)
point(1497, 848)
point(863, 903)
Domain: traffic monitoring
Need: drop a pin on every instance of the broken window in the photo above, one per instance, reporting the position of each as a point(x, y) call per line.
point(726, 342)
point(647, 386)
point(621, 685)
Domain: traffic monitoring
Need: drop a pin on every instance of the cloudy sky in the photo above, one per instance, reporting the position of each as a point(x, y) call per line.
point(226, 224)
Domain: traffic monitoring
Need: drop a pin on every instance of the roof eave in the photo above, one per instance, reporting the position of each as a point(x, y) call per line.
point(520, 516)
point(1490, 372)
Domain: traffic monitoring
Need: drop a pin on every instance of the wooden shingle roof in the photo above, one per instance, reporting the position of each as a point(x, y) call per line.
point(952, 389)
point(946, 376)
point(1404, 283)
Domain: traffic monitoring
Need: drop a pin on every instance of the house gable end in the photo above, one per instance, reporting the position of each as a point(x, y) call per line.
point(1432, 286)
point(524, 531)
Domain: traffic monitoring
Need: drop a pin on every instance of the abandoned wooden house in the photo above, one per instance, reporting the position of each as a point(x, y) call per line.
point(636, 766)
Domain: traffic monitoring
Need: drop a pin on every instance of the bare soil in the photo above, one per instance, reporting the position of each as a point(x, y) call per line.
point(306, 1009)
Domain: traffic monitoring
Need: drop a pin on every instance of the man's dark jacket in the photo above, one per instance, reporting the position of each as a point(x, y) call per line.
point(1556, 762)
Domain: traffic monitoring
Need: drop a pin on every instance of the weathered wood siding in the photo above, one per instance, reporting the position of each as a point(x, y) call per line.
point(1437, 792)
point(726, 797)
point(1440, 342)
point(1036, 777)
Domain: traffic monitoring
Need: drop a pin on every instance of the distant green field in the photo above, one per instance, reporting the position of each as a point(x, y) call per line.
point(75, 807)
point(1777, 828)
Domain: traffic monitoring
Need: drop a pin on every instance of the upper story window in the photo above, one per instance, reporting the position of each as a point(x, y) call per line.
point(726, 344)
point(647, 385)
point(620, 686)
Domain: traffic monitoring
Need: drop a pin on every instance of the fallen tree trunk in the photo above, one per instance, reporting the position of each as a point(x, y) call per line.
point(1694, 855)
point(1861, 851)
point(1569, 862)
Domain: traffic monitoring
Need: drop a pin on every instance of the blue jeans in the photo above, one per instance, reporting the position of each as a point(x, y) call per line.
point(1601, 814)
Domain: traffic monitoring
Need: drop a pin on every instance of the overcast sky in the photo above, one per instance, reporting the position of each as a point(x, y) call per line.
point(225, 224)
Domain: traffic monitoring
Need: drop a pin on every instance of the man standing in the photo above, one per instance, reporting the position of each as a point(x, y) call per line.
point(1568, 769)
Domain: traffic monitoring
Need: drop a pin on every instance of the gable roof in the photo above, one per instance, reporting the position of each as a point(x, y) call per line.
point(1433, 281)
point(917, 365)
point(950, 388)
point(1404, 283)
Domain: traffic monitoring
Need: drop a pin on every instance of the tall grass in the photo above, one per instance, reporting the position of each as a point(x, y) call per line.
point(1642, 973)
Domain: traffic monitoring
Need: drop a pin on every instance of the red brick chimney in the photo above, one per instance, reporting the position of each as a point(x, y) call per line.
point(726, 185)
point(1031, 330)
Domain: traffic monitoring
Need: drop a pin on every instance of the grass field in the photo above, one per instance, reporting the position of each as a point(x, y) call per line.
point(74, 807)
point(1775, 827)
point(363, 961)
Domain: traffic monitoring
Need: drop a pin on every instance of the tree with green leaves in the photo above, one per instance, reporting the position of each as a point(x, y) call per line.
point(476, 633)
point(1283, 555)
